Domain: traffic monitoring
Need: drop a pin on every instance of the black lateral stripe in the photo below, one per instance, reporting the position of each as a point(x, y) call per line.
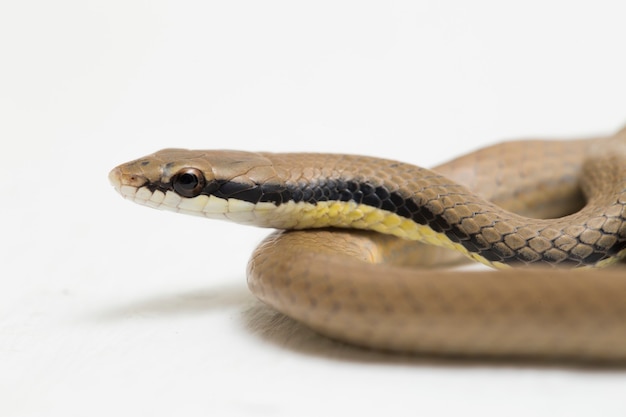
point(380, 197)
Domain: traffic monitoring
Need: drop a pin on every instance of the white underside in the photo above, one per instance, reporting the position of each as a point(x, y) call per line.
point(206, 206)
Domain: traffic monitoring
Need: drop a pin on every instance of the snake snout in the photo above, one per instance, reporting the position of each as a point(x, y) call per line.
point(125, 182)
point(115, 178)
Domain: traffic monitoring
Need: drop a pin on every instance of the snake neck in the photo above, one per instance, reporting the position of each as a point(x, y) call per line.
point(290, 191)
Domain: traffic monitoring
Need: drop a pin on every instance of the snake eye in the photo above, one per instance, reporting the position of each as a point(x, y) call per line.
point(188, 182)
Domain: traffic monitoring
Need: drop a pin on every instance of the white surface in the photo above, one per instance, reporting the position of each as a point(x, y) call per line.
point(109, 308)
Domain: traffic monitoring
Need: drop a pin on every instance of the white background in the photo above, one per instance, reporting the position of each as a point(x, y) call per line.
point(108, 308)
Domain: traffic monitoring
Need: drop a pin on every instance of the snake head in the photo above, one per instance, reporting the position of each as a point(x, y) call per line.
point(207, 183)
point(179, 170)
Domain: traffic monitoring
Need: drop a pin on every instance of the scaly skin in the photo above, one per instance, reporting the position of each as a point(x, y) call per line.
point(349, 285)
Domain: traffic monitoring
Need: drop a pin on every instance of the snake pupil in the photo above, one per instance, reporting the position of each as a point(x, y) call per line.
point(188, 182)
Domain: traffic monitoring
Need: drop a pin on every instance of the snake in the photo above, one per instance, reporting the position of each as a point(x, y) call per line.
point(367, 250)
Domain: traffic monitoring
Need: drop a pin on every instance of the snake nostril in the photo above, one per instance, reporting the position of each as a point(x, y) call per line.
point(118, 178)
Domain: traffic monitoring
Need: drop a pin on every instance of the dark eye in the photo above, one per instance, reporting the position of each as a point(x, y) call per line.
point(188, 182)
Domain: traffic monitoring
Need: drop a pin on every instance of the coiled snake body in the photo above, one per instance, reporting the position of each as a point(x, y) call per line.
point(554, 205)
